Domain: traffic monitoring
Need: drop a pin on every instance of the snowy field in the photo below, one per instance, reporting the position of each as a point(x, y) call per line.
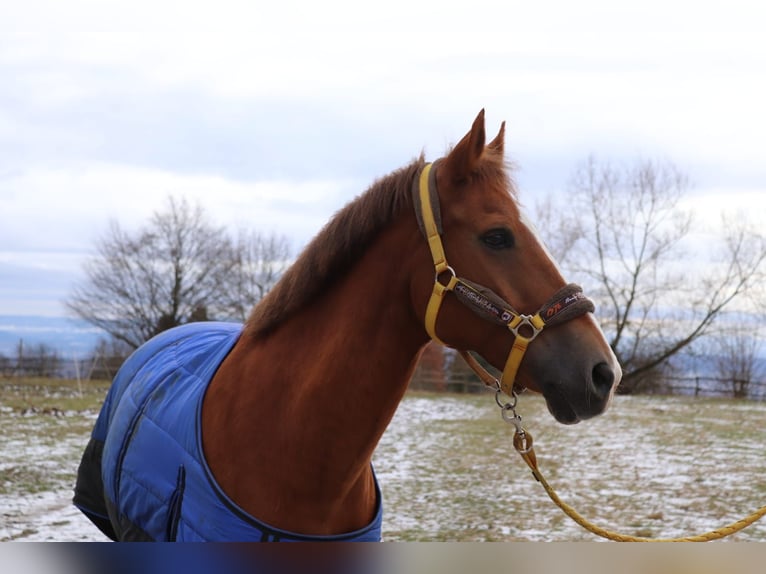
point(651, 466)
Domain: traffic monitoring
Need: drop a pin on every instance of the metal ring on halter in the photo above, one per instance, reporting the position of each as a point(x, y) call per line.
point(448, 270)
point(503, 405)
point(526, 320)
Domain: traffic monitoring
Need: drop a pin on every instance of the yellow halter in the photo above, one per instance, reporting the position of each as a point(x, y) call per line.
point(567, 303)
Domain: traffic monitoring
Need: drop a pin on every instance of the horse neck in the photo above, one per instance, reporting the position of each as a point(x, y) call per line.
point(321, 390)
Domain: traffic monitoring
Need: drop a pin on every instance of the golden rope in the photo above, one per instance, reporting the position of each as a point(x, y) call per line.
point(522, 441)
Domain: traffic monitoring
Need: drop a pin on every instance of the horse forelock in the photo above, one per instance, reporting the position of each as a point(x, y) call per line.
point(340, 244)
point(495, 169)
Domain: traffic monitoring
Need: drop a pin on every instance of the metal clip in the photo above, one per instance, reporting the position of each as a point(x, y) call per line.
point(508, 410)
point(510, 415)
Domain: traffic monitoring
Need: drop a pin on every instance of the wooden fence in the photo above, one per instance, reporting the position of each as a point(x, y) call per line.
point(443, 370)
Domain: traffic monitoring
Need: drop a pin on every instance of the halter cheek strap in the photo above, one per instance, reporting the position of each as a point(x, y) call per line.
point(567, 303)
point(431, 228)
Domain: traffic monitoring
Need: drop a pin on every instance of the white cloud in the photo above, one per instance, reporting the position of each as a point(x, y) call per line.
point(52, 219)
point(69, 208)
point(714, 205)
point(274, 114)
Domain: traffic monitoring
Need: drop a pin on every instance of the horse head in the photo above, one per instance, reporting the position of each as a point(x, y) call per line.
point(497, 290)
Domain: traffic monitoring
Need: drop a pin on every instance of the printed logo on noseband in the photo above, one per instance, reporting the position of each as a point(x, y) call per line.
point(481, 302)
point(553, 309)
point(562, 304)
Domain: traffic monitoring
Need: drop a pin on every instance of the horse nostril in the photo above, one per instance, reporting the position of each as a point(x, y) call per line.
point(603, 379)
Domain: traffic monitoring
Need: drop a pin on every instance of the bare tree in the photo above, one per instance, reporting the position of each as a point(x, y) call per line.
point(39, 360)
point(21, 358)
point(260, 262)
point(106, 358)
point(735, 353)
point(177, 269)
point(625, 237)
point(43, 361)
point(562, 232)
point(5, 366)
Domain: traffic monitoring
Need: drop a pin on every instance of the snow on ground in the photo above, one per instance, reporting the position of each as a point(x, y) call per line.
point(650, 466)
point(46, 517)
point(40, 454)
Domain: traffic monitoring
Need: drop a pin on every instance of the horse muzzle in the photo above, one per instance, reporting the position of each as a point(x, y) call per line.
point(573, 401)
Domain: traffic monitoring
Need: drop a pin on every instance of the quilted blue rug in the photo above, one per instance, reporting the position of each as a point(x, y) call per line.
point(143, 475)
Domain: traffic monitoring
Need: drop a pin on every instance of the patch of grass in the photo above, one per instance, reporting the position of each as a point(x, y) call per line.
point(448, 471)
point(51, 396)
point(651, 466)
point(25, 479)
point(21, 535)
point(43, 428)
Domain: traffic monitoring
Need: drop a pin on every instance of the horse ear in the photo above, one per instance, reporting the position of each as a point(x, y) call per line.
point(498, 144)
point(464, 158)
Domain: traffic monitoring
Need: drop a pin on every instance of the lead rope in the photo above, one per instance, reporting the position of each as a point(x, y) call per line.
point(566, 304)
point(522, 442)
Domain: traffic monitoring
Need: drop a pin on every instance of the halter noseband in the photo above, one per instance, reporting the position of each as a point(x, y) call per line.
point(567, 303)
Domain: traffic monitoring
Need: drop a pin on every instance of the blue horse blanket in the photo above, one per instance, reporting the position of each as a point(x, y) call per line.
point(143, 475)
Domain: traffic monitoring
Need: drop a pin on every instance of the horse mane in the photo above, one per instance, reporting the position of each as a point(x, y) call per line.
point(335, 249)
point(344, 239)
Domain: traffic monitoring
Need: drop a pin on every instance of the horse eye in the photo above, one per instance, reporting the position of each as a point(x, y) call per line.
point(500, 238)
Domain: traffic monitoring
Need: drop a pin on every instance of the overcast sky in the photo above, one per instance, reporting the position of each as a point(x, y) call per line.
point(275, 114)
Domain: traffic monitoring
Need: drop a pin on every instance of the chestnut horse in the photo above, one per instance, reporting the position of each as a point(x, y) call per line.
point(289, 422)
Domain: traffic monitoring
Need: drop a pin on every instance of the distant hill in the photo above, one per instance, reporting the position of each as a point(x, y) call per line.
point(70, 337)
